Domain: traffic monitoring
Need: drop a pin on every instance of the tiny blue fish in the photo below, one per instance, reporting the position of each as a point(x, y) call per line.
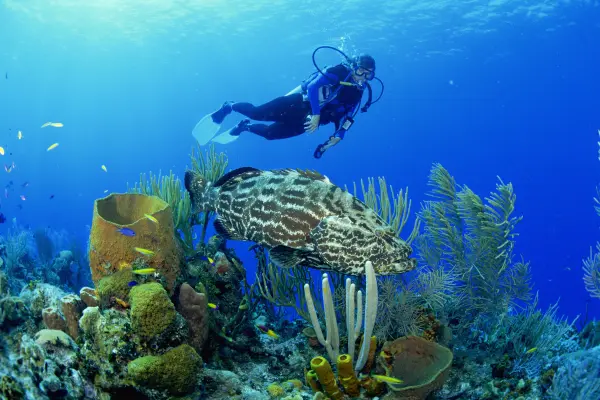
point(126, 231)
point(132, 283)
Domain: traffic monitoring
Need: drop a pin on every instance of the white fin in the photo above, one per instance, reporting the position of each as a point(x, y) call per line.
point(225, 137)
point(205, 129)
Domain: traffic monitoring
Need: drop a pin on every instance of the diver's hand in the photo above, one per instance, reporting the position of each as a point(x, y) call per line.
point(333, 140)
point(319, 151)
point(312, 124)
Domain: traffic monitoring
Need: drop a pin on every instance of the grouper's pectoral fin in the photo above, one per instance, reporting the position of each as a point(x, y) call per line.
point(227, 230)
point(288, 257)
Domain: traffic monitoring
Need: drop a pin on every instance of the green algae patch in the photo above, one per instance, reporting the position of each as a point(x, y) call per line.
point(175, 371)
point(152, 312)
point(115, 286)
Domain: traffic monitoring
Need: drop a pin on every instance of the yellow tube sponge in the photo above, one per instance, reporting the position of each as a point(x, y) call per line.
point(371, 358)
point(347, 376)
point(313, 381)
point(326, 377)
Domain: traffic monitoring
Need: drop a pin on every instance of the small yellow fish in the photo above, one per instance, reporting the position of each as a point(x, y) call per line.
point(20, 135)
point(272, 334)
point(124, 264)
point(212, 305)
point(145, 252)
point(122, 303)
point(532, 350)
point(53, 146)
point(144, 271)
point(53, 124)
point(387, 379)
point(267, 331)
point(104, 168)
point(1, 150)
point(151, 218)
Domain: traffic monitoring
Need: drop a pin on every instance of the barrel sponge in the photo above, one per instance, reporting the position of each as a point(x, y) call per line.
point(423, 367)
point(110, 249)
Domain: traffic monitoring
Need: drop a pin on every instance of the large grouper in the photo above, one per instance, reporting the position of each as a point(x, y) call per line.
point(302, 219)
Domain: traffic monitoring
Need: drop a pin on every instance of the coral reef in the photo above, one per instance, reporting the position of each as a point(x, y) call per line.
point(201, 329)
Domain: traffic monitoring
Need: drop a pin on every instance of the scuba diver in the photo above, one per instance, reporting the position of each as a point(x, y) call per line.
point(332, 95)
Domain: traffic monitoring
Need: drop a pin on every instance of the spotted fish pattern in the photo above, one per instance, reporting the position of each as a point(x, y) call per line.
point(302, 219)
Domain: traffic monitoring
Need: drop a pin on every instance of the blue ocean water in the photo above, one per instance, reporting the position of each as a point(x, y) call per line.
point(487, 89)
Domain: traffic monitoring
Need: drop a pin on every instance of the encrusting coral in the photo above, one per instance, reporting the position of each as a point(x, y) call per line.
point(175, 371)
point(152, 312)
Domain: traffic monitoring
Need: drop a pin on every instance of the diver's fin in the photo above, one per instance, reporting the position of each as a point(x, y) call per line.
point(225, 137)
point(236, 172)
point(232, 134)
point(205, 130)
point(208, 126)
point(226, 230)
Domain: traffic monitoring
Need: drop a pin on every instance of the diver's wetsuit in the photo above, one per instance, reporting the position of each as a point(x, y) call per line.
point(322, 95)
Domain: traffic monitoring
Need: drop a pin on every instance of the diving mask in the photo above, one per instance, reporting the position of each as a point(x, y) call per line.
point(365, 72)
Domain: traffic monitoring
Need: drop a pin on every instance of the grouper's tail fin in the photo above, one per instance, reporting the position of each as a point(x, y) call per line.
point(196, 186)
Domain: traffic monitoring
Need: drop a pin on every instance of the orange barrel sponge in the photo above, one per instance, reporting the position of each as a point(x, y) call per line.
point(131, 230)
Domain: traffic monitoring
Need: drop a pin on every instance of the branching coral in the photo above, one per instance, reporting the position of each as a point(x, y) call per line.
point(211, 166)
point(591, 270)
point(402, 304)
point(284, 287)
point(169, 188)
point(517, 334)
point(393, 208)
point(16, 243)
point(578, 377)
point(591, 265)
point(474, 240)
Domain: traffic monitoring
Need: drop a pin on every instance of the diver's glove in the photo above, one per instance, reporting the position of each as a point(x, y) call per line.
point(332, 141)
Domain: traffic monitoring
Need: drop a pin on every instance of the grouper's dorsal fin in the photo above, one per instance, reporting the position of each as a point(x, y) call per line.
point(236, 172)
point(307, 173)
